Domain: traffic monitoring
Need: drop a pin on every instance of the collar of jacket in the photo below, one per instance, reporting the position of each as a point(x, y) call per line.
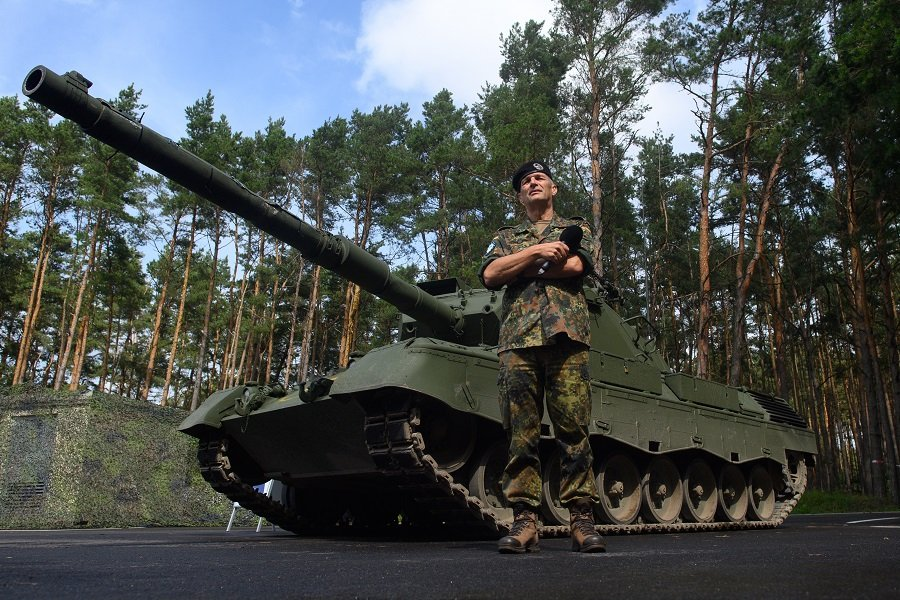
point(555, 223)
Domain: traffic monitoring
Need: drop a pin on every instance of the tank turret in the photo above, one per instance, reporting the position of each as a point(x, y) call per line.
point(410, 434)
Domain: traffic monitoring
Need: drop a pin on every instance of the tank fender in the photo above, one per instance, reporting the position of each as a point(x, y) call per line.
point(463, 378)
point(209, 414)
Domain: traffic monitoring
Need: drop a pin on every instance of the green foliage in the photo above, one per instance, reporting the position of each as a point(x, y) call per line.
point(520, 119)
point(328, 170)
point(447, 198)
point(817, 501)
point(18, 131)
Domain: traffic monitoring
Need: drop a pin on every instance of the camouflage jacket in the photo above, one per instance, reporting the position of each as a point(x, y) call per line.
point(535, 310)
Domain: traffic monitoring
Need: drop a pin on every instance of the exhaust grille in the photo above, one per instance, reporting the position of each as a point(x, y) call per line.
point(780, 411)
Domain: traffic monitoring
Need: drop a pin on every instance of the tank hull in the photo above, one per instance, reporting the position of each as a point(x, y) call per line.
point(443, 397)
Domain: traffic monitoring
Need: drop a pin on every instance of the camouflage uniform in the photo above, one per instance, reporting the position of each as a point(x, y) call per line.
point(544, 341)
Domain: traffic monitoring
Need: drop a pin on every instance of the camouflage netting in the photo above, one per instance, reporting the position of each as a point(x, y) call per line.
point(95, 460)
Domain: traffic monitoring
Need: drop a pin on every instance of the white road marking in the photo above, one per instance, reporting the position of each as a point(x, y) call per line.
point(873, 520)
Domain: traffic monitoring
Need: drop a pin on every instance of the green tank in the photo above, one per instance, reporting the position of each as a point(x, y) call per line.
point(409, 435)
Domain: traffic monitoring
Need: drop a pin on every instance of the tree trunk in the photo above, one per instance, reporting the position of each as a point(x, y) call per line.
point(704, 309)
point(160, 305)
point(295, 304)
point(179, 318)
point(351, 312)
point(779, 358)
point(80, 350)
point(235, 316)
point(308, 343)
point(889, 308)
point(37, 287)
point(207, 312)
point(442, 260)
point(362, 226)
point(273, 315)
point(76, 310)
point(229, 368)
point(866, 350)
point(108, 338)
point(597, 208)
point(252, 354)
point(611, 206)
point(745, 276)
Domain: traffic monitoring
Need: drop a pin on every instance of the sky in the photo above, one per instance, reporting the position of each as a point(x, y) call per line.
point(307, 61)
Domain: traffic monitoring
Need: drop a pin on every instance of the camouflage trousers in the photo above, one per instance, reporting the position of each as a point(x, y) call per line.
point(560, 373)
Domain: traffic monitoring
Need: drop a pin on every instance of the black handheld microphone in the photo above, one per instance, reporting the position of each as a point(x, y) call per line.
point(571, 237)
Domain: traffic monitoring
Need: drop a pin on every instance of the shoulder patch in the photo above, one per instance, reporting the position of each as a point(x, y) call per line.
point(492, 249)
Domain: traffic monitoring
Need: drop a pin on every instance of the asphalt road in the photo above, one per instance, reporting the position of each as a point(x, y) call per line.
point(818, 556)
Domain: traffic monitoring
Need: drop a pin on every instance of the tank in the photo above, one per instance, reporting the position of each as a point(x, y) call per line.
point(408, 436)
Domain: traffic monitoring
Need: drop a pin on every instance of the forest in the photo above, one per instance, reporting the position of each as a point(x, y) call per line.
point(765, 257)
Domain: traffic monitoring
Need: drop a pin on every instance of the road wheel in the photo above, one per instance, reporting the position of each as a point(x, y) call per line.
point(733, 496)
point(662, 491)
point(701, 496)
point(619, 483)
point(553, 510)
point(485, 483)
point(761, 506)
point(449, 437)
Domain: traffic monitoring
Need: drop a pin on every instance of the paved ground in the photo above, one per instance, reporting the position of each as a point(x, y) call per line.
point(819, 556)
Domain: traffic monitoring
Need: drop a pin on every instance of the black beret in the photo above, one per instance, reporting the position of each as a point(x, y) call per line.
point(532, 166)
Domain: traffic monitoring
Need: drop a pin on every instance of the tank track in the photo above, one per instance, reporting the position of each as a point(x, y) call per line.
point(398, 451)
point(215, 467)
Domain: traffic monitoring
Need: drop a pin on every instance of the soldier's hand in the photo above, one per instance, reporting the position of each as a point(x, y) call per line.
point(555, 252)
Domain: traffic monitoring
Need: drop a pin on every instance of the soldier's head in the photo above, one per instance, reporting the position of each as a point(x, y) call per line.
point(533, 181)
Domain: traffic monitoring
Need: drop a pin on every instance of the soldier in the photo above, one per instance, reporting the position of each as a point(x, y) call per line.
point(544, 341)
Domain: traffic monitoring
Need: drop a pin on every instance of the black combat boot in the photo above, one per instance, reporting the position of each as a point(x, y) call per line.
point(523, 535)
point(581, 520)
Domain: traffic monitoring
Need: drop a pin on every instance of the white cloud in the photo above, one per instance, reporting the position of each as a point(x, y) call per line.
point(296, 8)
point(670, 109)
point(417, 47)
point(422, 46)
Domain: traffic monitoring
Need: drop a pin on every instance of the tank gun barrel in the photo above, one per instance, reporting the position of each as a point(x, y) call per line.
point(67, 95)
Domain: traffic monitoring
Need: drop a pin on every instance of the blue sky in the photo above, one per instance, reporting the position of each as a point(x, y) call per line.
point(305, 60)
